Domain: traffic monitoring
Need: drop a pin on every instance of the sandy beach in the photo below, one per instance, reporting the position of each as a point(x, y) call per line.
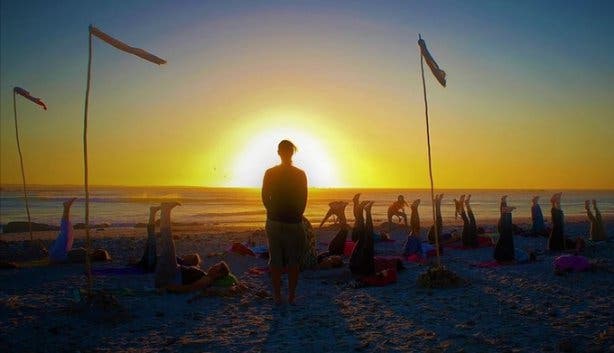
point(513, 308)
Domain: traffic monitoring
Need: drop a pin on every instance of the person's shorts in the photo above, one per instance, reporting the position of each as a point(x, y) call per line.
point(285, 243)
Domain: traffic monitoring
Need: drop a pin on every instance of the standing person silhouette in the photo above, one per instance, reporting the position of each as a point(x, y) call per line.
point(284, 195)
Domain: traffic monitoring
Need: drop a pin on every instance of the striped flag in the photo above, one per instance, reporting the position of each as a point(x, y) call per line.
point(22, 92)
point(125, 47)
point(440, 75)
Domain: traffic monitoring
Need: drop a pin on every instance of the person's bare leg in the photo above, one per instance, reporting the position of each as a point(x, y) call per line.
point(327, 216)
point(166, 268)
point(65, 224)
point(276, 283)
point(292, 282)
point(148, 260)
point(153, 210)
point(61, 247)
point(67, 204)
point(598, 216)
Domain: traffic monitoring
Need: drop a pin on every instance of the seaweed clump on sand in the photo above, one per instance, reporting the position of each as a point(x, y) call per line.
point(101, 307)
point(439, 277)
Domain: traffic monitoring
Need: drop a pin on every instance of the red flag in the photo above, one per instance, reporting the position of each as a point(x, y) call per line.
point(440, 75)
point(125, 47)
point(27, 95)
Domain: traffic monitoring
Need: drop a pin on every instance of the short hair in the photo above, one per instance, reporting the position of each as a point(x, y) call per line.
point(286, 145)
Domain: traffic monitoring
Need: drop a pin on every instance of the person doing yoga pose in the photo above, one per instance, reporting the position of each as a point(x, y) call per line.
point(504, 249)
point(438, 224)
point(557, 240)
point(61, 250)
point(149, 258)
point(538, 227)
point(174, 277)
point(337, 209)
point(397, 208)
point(470, 230)
point(597, 231)
point(413, 244)
point(361, 260)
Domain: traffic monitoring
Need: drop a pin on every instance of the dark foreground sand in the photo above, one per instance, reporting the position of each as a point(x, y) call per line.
point(520, 308)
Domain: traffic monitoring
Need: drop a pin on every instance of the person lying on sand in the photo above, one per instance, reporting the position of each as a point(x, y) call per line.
point(397, 208)
point(61, 250)
point(177, 278)
point(149, 258)
point(557, 240)
point(597, 231)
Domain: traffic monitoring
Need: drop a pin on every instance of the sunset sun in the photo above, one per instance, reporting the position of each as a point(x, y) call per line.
point(260, 153)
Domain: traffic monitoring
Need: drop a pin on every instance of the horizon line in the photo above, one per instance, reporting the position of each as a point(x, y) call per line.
point(312, 187)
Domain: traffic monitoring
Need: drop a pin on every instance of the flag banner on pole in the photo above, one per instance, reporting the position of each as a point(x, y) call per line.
point(125, 47)
point(22, 92)
point(440, 75)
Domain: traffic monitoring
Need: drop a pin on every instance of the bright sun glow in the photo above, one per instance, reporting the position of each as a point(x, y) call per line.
point(260, 153)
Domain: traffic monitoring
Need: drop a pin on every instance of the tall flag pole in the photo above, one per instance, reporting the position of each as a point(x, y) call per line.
point(440, 75)
point(93, 31)
point(22, 92)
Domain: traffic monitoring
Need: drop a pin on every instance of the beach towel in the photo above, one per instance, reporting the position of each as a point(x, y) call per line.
point(348, 248)
point(571, 263)
point(417, 259)
point(226, 281)
point(382, 263)
point(260, 250)
point(381, 278)
point(241, 249)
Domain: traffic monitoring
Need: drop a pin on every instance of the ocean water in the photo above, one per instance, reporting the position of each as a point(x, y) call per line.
point(241, 208)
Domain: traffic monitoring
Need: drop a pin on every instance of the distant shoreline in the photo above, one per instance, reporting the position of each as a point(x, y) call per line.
point(357, 188)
